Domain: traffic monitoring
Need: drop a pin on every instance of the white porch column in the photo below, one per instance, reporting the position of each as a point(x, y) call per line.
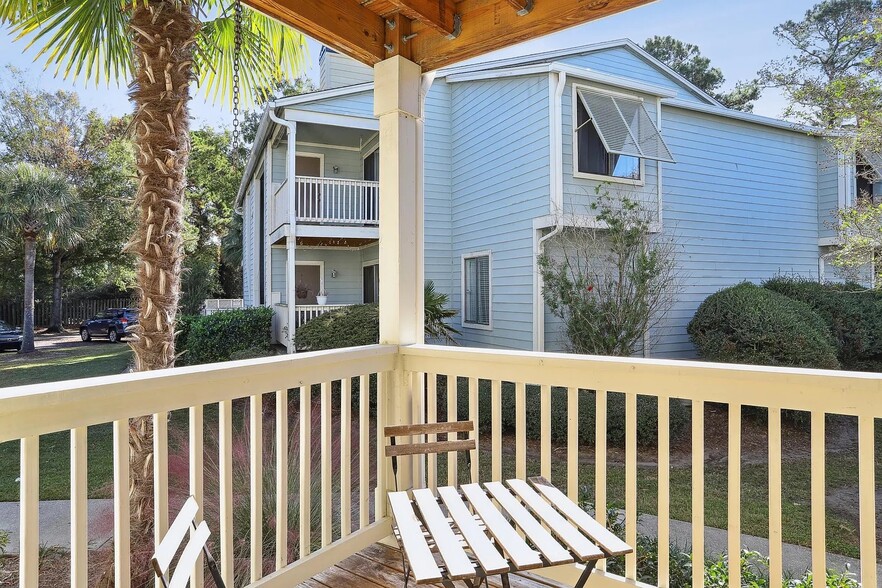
point(397, 105)
point(291, 237)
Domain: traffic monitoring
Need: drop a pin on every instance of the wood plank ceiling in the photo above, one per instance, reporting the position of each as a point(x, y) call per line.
point(433, 33)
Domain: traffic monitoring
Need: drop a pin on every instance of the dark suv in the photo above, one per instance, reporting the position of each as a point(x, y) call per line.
point(10, 338)
point(113, 323)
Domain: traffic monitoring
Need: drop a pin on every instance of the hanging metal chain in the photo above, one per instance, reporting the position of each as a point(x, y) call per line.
point(237, 52)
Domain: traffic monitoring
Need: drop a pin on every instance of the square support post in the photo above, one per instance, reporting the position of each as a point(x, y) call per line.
point(397, 104)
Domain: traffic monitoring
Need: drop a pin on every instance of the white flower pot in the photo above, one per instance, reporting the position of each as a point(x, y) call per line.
point(321, 300)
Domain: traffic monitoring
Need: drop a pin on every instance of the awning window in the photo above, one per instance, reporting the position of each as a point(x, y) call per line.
point(874, 160)
point(625, 126)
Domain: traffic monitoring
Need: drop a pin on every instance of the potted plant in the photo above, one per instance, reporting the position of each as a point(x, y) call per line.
point(301, 290)
point(321, 298)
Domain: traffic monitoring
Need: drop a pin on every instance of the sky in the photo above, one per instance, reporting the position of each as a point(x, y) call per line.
point(736, 36)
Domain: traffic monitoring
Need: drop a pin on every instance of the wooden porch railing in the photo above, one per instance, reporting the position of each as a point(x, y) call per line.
point(334, 463)
point(307, 312)
point(337, 201)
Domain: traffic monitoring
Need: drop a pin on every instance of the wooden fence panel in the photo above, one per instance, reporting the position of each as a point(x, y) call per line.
point(72, 312)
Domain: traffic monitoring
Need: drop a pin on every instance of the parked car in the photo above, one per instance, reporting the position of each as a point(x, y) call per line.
point(113, 323)
point(10, 337)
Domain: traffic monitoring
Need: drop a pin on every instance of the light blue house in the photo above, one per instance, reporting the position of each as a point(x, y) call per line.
point(513, 150)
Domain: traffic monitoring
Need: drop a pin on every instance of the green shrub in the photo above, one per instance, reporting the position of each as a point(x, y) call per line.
point(350, 326)
point(222, 336)
point(749, 324)
point(182, 330)
point(852, 313)
point(647, 413)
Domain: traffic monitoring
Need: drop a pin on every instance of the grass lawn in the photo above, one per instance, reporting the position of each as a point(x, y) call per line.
point(67, 361)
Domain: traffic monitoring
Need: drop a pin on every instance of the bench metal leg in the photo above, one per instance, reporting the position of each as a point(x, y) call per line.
point(505, 582)
point(589, 567)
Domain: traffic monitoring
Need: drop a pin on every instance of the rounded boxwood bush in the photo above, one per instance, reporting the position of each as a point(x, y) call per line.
point(853, 315)
point(223, 336)
point(748, 324)
point(351, 326)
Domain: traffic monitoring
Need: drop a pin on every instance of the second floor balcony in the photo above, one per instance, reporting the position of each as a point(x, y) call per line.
point(333, 201)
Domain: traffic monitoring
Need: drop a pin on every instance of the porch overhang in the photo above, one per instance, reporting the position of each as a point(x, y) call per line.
point(433, 33)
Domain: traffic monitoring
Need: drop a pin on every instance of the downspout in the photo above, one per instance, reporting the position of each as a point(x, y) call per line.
point(556, 203)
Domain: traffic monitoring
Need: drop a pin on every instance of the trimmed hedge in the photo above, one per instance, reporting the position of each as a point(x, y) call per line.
point(749, 324)
point(351, 326)
point(853, 315)
point(647, 413)
point(224, 336)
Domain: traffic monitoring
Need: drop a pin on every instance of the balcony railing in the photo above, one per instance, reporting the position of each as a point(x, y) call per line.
point(337, 201)
point(307, 312)
point(225, 424)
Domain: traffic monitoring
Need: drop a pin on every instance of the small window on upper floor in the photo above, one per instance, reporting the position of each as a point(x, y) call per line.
point(613, 135)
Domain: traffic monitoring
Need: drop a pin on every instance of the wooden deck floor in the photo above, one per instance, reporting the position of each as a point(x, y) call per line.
point(380, 566)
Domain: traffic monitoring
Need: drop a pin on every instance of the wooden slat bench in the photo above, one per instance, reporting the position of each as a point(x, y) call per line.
point(531, 525)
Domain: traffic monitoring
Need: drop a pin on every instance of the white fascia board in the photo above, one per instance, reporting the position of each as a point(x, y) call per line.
point(263, 131)
point(668, 70)
point(580, 73)
point(336, 120)
point(743, 116)
point(324, 94)
point(338, 231)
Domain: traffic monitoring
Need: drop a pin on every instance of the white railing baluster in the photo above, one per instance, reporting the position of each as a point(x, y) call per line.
point(545, 431)
point(664, 492)
point(572, 395)
point(381, 462)
point(452, 461)
point(160, 480)
point(255, 417)
point(819, 496)
point(734, 491)
point(196, 435)
point(122, 559)
point(600, 461)
point(225, 472)
point(281, 478)
point(345, 458)
point(79, 513)
point(432, 417)
point(697, 494)
point(496, 429)
point(631, 483)
point(305, 470)
point(520, 430)
point(867, 485)
point(336, 200)
point(776, 560)
point(473, 416)
point(364, 458)
point(326, 443)
point(29, 508)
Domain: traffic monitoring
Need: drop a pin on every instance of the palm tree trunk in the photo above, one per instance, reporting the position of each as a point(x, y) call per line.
point(164, 34)
point(30, 260)
point(55, 325)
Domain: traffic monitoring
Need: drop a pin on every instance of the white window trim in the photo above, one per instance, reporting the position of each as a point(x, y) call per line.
point(319, 156)
point(321, 266)
point(365, 264)
point(489, 326)
point(575, 140)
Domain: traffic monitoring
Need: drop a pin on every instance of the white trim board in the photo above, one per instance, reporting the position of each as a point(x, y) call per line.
point(334, 120)
point(327, 146)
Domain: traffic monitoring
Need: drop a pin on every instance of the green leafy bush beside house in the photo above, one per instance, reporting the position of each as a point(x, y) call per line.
point(350, 326)
point(224, 336)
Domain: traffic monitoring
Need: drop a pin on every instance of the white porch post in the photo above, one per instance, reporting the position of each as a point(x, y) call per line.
point(397, 105)
point(291, 237)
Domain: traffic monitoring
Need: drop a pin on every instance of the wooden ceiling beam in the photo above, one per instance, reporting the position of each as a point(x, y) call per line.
point(438, 14)
point(488, 25)
point(344, 25)
point(522, 7)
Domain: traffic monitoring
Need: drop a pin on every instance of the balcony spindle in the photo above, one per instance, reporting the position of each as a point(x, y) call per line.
point(473, 416)
point(196, 465)
point(631, 483)
point(520, 430)
point(281, 478)
point(345, 457)
point(364, 458)
point(225, 472)
point(572, 443)
point(326, 462)
point(776, 568)
point(698, 494)
point(432, 417)
point(496, 428)
point(819, 496)
point(255, 414)
point(452, 465)
point(29, 497)
point(734, 491)
point(160, 480)
point(305, 470)
point(664, 492)
point(79, 513)
point(383, 469)
point(122, 560)
point(545, 431)
point(600, 462)
point(867, 485)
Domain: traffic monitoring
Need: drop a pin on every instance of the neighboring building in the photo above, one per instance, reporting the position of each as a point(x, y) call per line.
point(747, 197)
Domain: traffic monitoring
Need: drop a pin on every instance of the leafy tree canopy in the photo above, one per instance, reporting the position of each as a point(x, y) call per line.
point(686, 59)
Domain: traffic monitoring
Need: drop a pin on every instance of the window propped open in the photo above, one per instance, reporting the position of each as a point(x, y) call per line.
point(625, 126)
point(874, 160)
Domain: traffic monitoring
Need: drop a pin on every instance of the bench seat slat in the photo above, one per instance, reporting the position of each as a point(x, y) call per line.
point(422, 562)
point(477, 540)
point(458, 564)
point(583, 548)
point(605, 539)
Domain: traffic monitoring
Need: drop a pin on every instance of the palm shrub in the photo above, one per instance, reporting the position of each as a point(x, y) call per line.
point(437, 314)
